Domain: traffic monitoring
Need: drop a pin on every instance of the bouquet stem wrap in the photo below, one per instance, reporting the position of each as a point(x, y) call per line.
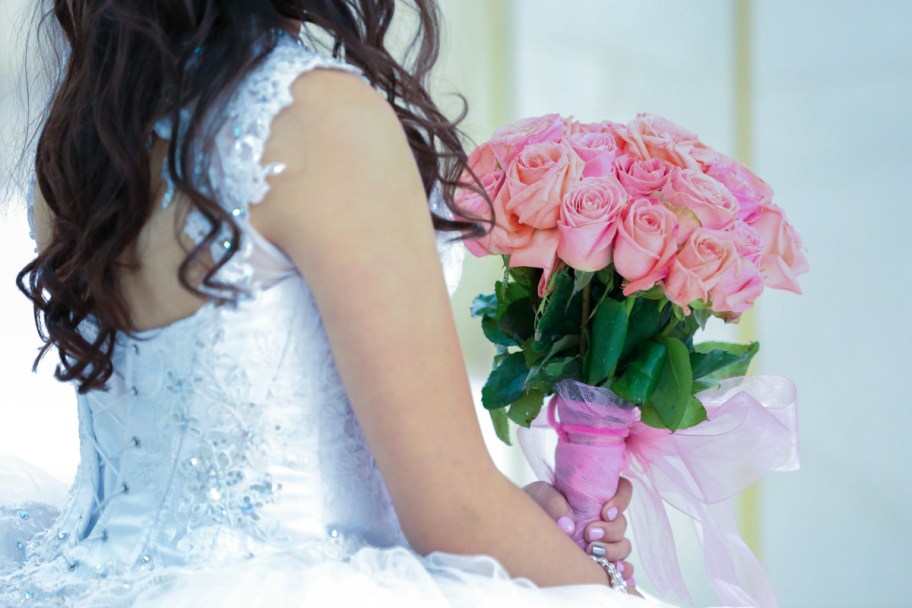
point(751, 429)
point(591, 451)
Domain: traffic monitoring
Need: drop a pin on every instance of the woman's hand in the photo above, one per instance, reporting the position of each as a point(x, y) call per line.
point(607, 533)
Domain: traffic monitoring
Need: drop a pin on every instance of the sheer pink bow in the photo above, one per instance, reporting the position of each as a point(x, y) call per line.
point(752, 428)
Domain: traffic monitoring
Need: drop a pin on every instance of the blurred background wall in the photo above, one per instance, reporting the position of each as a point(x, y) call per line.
point(37, 414)
point(813, 95)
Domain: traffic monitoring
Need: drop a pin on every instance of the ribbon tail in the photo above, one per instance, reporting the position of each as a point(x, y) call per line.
point(653, 538)
point(733, 570)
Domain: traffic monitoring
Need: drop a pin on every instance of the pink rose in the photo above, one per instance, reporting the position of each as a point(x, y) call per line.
point(651, 136)
point(683, 286)
point(747, 241)
point(653, 125)
point(708, 253)
point(510, 140)
point(540, 252)
point(783, 256)
point(605, 126)
point(698, 200)
point(483, 160)
point(496, 241)
point(700, 265)
point(598, 151)
point(738, 288)
point(537, 181)
point(508, 234)
point(703, 154)
point(588, 222)
point(751, 192)
point(645, 244)
point(641, 177)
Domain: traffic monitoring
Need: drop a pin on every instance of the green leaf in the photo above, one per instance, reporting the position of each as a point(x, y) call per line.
point(642, 375)
point(643, 324)
point(501, 424)
point(492, 331)
point(535, 359)
point(679, 330)
point(525, 276)
point(550, 286)
point(599, 293)
point(653, 293)
point(702, 384)
point(694, 414)
point(568, 342)
point(524, 410)
point(606, 278)
point(549, 374)
point(734, 348)
point(650, 417)
point(561, 311)
point(581, 278)
point(499, 289)
point(560, 369)
point(715, 361)
point(672, 392)
point(678, 312)
point(505, 383)
point(514, 292)
point(518, 320)
point(609, 329)
point(484, 305)
point(707, 363)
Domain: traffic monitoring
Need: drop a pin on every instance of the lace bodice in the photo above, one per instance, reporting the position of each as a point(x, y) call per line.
point(228, 433)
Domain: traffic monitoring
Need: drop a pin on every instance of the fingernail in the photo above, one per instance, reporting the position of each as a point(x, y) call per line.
point(612, 513)
point(630, 582)
point(619, 566)
point(596, 533)
point(566, 524)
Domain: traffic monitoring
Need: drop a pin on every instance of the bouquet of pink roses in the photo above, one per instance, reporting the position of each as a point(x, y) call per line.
point(620, 241)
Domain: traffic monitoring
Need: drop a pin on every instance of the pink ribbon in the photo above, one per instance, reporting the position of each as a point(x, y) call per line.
point(751, 429)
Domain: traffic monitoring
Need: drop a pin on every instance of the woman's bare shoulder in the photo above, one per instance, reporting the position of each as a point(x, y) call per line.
point(343, 148)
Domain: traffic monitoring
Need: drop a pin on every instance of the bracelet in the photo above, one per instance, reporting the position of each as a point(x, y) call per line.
point(617, 581)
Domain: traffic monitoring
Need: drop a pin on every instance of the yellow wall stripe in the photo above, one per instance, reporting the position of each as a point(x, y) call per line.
point(748, 504)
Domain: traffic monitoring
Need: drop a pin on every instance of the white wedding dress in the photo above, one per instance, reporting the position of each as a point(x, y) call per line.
point(224, 467)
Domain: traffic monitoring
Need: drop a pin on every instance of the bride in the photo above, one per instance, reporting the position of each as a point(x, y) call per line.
point(237, 267)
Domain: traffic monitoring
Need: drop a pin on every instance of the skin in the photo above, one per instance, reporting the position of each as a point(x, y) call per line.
point(612, 529)
point(366, 248)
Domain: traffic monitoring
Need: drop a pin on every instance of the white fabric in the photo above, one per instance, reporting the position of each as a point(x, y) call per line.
point(224, 466)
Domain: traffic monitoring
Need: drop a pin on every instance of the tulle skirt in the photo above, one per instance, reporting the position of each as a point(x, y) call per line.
point(371, 576)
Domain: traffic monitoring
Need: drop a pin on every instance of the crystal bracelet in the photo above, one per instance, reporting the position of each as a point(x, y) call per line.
point(617, 581)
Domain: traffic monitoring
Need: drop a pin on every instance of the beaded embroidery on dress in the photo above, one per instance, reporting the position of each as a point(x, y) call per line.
point(224, 466)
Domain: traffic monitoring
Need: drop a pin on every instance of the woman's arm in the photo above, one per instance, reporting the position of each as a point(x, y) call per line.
point(351, 212)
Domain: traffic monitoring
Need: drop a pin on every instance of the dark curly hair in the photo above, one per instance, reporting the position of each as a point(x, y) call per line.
point(134, 61)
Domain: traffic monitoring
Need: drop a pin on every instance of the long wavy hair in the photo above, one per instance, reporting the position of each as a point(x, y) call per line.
point(133, 61)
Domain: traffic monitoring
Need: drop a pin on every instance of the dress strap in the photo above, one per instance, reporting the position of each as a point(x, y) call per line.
point(249, 115)
point(236, 171)
point(239, 178)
